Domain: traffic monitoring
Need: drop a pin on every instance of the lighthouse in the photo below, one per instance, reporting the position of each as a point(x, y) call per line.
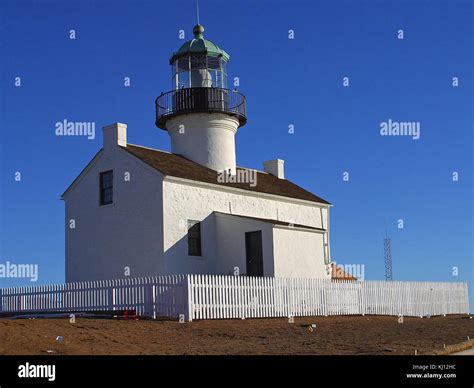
point(192, 211)
point(200, 113)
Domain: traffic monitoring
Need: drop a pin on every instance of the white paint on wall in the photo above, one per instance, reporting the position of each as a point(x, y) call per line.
point(230, 242)
point(275, 167)
point(126, 233)
point(114, 134)
point(183, 200)
point(208, 139)
point(298, 253)
point(145, 229)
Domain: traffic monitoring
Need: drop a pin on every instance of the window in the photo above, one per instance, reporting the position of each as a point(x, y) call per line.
point(106, 187)
point(194, 238)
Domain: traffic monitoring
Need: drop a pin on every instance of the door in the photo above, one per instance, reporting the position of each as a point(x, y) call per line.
point(254, 253)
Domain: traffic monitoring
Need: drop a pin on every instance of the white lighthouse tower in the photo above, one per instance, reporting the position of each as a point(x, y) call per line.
point(200, 114)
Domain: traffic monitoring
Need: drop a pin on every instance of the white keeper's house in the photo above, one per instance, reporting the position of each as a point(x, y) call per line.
point(137, 211)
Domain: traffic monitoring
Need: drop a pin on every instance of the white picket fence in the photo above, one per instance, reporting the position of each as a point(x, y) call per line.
point(151, 296)
point(215, 297)
point(220, 297)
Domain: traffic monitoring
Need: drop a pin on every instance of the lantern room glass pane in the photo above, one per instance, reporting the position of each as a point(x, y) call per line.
point(181, 73)
point(214, 63)
point(183, 80)
point(221, 75)
point(200, 75)
point(198, 62)
point(196, 71)
point(182, 64)
point(217, 67)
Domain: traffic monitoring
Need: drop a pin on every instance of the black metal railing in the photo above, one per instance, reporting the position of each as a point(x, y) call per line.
point(191, 100)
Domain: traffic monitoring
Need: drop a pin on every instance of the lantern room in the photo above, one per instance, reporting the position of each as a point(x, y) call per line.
point(199, 63)
point(199, 83)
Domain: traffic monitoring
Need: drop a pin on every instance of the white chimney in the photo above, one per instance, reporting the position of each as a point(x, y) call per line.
point(275, 167)
point(115, 135)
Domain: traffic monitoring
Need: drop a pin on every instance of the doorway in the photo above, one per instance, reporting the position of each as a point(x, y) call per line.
point(254, 253)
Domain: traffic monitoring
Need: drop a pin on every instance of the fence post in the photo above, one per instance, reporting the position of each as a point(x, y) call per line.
point(148, 302)
point(110, 296)
point(188, 297)
point(466, 298)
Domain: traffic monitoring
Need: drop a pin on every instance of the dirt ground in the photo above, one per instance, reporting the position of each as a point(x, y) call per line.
point(332, 336)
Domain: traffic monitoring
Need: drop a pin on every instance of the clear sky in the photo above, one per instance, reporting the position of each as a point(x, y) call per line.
point(287, 82)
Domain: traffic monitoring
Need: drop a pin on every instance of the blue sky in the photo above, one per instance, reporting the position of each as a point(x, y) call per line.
point(287, 82)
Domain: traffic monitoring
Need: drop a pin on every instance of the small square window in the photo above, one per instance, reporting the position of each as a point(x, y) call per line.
point(106, 187)
point(194, 238)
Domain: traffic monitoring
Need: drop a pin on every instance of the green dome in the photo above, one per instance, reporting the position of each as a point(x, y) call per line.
point(199, 45)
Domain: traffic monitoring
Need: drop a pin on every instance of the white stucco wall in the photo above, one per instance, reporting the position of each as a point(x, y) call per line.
point(127, 233)
point(298, 253)
point(208, 139)
point(130, 233)
point(230, 243)
point(188, 200)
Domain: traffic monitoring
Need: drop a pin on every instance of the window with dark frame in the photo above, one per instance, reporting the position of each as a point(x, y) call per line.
point(194, 238)
point(106, 187)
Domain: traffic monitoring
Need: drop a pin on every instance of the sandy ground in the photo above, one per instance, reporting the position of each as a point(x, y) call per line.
point(468, 352)
point(332, 335)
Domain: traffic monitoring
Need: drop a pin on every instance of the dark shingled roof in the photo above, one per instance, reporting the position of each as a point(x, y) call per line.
point(274, 222)
point(178, 166)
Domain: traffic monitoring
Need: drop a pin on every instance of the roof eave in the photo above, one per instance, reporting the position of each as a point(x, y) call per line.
point(243, 191)
point(224, 55)
point(316, 201)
